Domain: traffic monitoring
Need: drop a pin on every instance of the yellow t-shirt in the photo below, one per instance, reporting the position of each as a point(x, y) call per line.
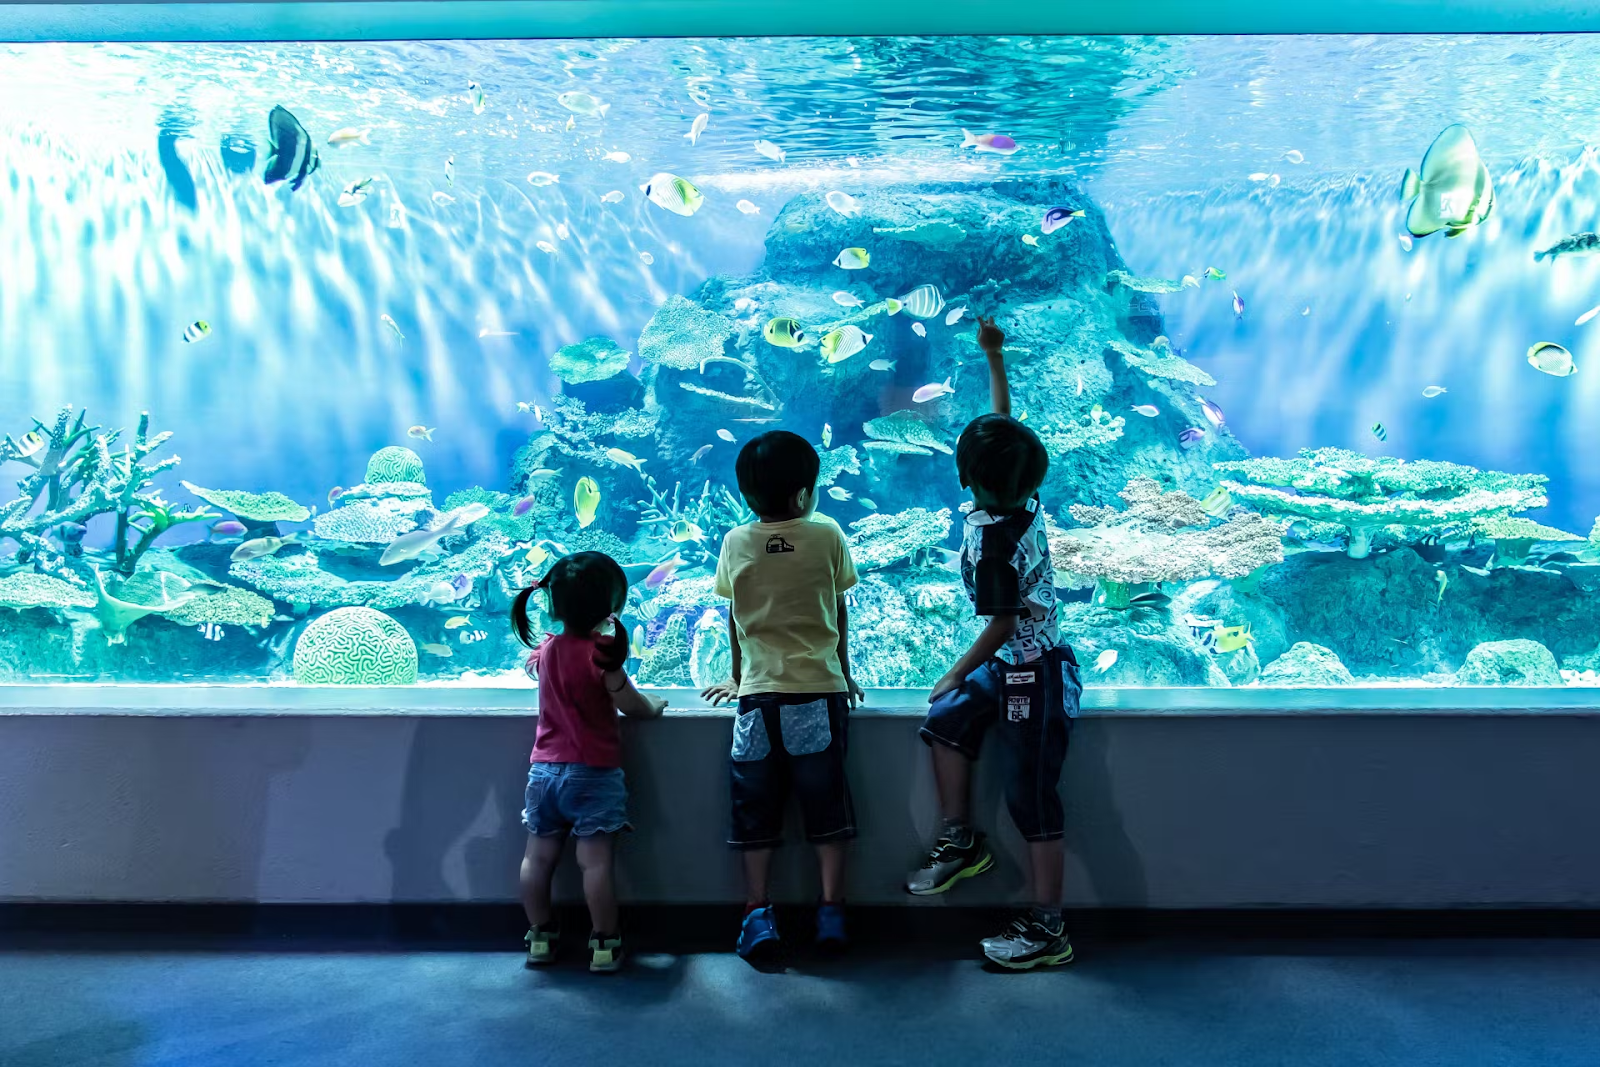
point(785, 579)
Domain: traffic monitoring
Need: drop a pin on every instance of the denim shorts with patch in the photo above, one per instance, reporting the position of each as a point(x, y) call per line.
point(790, 743)
point(574, 798)
point(1032, 706)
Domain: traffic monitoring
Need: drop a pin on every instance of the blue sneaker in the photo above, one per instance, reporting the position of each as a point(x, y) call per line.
point(830, 928)
point(758, 936)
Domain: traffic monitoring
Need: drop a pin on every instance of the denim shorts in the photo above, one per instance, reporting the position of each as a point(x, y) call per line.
point(1032, 705)
point(787, 743)
point(575, 798)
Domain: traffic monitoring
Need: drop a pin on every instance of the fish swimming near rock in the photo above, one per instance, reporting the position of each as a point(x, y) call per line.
point(748, 208)
point(726, 435)
point(1579, 244)
point(541, 474)
point(292, 156)
point(1231, 638)
point(1452, 192)
point(699, 453)
point(623, 458)
point(827, 435)
point(843, 203)
point(697, 127)
point(885, 364)
point(932, 391)
point(30, 444)
point(684, 530)
point(582, 103)
point(476, 98)
point(1213, 413)
point(1030, 239)
point(954, 316)
point(784, 333)
point(1057, 217)
point(839, 345)
point(997, 143)
point(259, 548)
point(457, 622)
point(867, 503)
point(198, 330)
point(853, 259)
point(585, 500)
point(409, 546)
point(349, 135)
point(1149, 411)
point(770, 151)
point(923, 302)
point(1217, 502)
point(227, 528)
point(847, 300)
point(522, 507)
point(672, 193)
point(433, 648)
point(662, 572)
point(421, 433)
point(838, 492)
point(1552, 359)
point(1104, 661)
point(1191, 437)
point(210, 631)
point(1444, 583)
point(442, 592)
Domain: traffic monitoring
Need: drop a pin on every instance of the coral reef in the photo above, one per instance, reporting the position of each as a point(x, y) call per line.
point(1306, 666)
point(710, 656)
point(836, 462)
point(665, 661)
point(26, 589)
point(907, 629)
point(706, 520)
point(252, 508)
point(880, 540)
point(1514, 535)
point(1518, 662)
point(591, 360)
point(355, 646)
point(371, 521)
point(395, 463)
point(1160, 361)
point(225, 605)
point(682, 335)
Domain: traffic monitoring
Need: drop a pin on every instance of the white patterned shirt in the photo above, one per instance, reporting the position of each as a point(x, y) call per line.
point(1005, 565)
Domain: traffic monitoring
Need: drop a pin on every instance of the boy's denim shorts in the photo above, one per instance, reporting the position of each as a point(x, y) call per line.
point(1032, 705)
point(575, 798)
point(787, 743)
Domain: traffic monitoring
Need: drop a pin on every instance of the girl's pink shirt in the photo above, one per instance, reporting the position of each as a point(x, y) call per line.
point(577, 719)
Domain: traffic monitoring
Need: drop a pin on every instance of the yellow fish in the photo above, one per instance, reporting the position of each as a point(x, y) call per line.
point(684, 530)
point(785, 333)
point(537, 557)
point(1217, 502)
point(457, 623)
point(586, 500)
point(1232, 638)
point(853, 259)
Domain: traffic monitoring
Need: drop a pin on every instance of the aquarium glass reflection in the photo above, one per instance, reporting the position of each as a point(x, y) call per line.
point(313, 355)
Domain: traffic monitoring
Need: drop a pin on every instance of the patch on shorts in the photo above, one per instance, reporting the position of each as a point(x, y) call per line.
point(750, 742)
point(1019, 678)
point(805, 727)
point(1017, 708)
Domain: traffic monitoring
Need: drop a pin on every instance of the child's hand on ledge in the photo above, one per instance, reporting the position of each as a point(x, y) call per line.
point(857, 695)
point(721, 693)
point(657, 704)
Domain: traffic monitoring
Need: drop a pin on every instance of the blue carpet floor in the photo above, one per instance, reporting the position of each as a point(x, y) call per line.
point(1182, 1003)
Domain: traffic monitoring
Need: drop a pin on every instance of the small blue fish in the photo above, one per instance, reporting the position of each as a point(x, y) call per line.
point(1238, 305)
point(1379, 432)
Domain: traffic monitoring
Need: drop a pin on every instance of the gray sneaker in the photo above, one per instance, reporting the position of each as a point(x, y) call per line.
point(946, 864)
point(1028, 943)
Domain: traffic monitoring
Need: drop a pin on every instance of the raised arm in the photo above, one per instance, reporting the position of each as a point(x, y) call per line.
point(992, 339)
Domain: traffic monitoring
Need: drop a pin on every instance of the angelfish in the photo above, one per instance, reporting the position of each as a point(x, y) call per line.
point(413, 544)
point(1453, 190)
point(293, 156)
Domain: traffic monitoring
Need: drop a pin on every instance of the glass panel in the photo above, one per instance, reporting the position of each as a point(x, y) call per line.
point(420, 318)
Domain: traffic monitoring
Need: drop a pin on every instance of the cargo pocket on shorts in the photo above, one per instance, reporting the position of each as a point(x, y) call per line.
point(805, 727)
point(750, 741)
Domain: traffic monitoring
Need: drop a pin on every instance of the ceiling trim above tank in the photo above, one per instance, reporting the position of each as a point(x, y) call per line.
point(498, 19)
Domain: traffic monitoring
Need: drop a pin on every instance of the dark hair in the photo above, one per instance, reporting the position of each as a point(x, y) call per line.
point(584, 589)
point(1001, 461)
point(774, 467)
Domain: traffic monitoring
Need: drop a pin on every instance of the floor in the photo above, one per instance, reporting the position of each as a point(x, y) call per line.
point(1185, 1003)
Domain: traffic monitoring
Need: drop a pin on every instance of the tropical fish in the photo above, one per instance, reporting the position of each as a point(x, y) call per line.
point(586, 500)
point(1238, 305)
point(827, 436)
point(747, 207)
point(349, 135)
point(433, 648)
point(544, 473)
point(210, 631)
point(537, 556)
point(1579, 244)
point(293, 157)
point(413, 544)
point(472, 637)
point(638, 638)
point(1149, 411)
point(259, 547)
point(838, 492)
point(684, 530)
point(785, 333)
point(1191, 437)
point(893, 306)
point(475, 96)
point(227, 528)
point(843, 203)
point(1444, 583)
point(699, 453)
point(624, 458)
point(1434, 390)
point(1379, 432)
point(923, 302)
point(522, 507)
point(1551, 358)
point(658, 577)
point(1104, 661)
point(847, 300)
point(839, 345)
point(646, 258)
point(885, 364)
point(1586, 316)
point(1453, 190)
point(334, 494)
point(998, 143)
point(421, 433)
point(932, 391)
point(615, 196)
point(1030, 239)
point(867, 503)
point(198, 330)
point(1217, 502)
point(770, 151)
point(1058, 217)
point(443, 199)
point(441, 592)
point(919, 329)
point(582, 103)
point(394, 328)
point(1231, 638)
point(725, 435)
point(672, 193)
point(697, 127)
point(541, 179)
point(1213, 413)
point(1406, 243)
point(545, 247)
point(450, 170)
point(1216, 274)
point(955, 316)
point(853, 259)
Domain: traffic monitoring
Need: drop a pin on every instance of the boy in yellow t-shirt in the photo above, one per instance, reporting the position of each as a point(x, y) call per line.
point(786, 574)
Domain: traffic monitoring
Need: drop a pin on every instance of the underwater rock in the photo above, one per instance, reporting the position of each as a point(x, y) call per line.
point(1306, 666)
point(935, 233)
point(710, 658)
point(373, 522)
point(386, 491)
point(591, 360)
point(395, 464)
point(1160, 361)
point(880, 539)
point(355, 646)
point(1518, 662)
point(1150, 650)
point(682, 335)
point(251, 507)
point(906, 629)
point(26, 589)
point(1115, 278)
point(1225, 602)
point(1241, 666)
point(664, 661)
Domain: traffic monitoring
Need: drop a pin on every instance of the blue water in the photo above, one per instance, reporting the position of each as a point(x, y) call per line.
point(128, 211)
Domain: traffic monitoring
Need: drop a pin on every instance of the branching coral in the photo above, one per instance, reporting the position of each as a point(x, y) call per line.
point(880, 540)
point(1364, 494)
point(570, 430)
point(1160, 361)
point(682, 333)
point(1161, 537)
point(709, 517)
point(153, 518)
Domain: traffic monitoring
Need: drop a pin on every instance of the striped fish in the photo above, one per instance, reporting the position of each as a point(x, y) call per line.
point(923, 302)
point(1379, 432)
point(293, 156)
point(677, 195)
point(197, 331)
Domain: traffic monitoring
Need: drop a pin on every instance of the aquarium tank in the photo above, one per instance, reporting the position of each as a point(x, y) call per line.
point(313, 355)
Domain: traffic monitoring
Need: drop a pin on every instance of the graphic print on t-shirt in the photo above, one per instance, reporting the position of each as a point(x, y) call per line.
point(777, 544)
point(1018, 541)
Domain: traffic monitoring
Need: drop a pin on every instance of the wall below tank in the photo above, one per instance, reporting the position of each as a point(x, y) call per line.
point(1386, 808)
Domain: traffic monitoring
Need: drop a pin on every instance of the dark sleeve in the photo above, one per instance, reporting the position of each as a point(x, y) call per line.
point(997, 588)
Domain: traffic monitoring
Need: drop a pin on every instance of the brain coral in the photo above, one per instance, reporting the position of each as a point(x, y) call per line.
point(355, 646)
point(395, 464)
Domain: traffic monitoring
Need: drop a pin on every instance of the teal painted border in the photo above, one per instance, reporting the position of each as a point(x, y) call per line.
point(492, 19)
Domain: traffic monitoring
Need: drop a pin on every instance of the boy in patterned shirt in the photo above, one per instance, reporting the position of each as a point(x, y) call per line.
point(1019, 676)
